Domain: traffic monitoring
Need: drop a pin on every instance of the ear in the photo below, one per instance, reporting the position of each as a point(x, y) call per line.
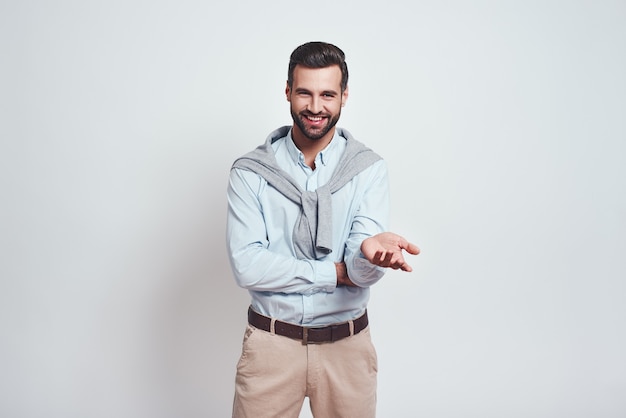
point(344, 97)
point(287, 92)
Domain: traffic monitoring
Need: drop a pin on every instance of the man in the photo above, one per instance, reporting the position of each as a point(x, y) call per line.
point(307, 211)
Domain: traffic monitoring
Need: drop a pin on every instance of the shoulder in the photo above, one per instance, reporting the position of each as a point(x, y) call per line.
point(376, 169)
point(242, 178)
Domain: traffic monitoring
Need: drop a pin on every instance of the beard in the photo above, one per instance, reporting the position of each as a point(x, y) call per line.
point(314, 133)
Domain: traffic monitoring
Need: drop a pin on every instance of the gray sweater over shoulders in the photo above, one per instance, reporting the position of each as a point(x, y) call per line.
point(312, 235)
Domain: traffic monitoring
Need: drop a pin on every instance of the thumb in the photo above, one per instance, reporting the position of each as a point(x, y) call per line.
point(412, 248)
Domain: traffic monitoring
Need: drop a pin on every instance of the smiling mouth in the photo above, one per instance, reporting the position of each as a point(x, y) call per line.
point(314, 118)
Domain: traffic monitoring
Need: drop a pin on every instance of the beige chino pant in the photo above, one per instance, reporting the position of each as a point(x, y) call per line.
point(276, 373)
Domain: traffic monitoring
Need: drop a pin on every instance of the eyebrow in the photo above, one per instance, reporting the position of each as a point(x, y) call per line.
point(303, 90)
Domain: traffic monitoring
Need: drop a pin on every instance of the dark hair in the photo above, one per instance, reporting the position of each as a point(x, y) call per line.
point(318, 55)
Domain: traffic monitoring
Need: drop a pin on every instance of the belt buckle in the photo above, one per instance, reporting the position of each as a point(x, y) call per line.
point(331, 338)
point(305, 335)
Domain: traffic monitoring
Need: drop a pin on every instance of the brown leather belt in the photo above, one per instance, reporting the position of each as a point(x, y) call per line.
point(308, 335)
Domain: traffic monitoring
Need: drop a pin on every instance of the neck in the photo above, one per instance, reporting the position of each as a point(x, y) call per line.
point(310, 147)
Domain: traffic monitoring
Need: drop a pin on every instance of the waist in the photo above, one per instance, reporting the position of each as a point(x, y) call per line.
point(308, 335)
point(315, 310)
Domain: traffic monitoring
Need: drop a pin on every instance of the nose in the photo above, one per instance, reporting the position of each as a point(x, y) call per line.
point(315, 105)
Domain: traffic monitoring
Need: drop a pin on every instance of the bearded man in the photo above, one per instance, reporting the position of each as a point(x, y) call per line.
point(307, 237)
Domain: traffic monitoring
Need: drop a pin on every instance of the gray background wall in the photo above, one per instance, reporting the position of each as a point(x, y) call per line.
point(503, 123)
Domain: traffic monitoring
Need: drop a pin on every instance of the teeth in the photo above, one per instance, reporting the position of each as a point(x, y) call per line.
point(315, 118)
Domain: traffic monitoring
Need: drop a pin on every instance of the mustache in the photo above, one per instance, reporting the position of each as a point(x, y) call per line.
point(309, 113)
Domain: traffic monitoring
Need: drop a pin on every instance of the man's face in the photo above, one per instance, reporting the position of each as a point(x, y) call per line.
point(316, 100)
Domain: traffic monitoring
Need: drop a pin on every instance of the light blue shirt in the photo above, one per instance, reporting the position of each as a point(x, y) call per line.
point(260, 227)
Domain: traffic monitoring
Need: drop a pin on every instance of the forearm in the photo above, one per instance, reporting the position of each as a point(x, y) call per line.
point(262, 263)
point(256, 268)
point(370, 219)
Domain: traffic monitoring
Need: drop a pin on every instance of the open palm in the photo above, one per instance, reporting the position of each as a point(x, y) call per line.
point(386, 250)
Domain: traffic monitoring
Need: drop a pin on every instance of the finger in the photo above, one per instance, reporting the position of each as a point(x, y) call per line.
point(400, 263)
point(411, 248)
point(406, 267)
point(397, 261)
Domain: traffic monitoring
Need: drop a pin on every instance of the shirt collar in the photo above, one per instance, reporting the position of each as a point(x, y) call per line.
point(297, 156)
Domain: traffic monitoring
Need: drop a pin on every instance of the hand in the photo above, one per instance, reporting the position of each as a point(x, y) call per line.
point(385, 250)
point(342, 275)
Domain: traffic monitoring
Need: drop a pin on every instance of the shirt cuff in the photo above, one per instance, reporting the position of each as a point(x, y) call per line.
point(325, 276)
point(363, 273)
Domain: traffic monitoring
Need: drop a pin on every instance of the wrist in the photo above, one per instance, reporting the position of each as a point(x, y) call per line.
point(340, 269)
point(342, 275)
